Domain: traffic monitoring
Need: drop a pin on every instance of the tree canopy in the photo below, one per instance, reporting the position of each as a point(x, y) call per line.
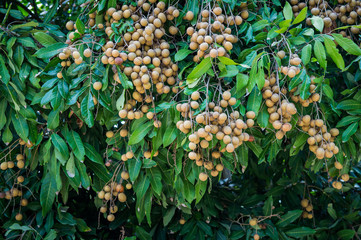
point(180, 119)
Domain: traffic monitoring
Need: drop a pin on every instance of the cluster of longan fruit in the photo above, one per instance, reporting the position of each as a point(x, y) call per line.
point(345, 177)
point(281, 112)
point(321, 142)
point(72, 52)
point(294, 61)
point(253, 222)
point(214, 122)
point(212, 35)
point(347, 11)
point(112, 192)
point(307, 208)
point(314, 97)
point(14, 191)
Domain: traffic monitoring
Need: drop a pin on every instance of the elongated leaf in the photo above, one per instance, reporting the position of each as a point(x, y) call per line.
point(140, 133)
point(50, 51)
point(347, 44)
point(75, 143)
point(267, 207)
point(301, 16)
point(21, 126)
point(199, 70)
point(53, 119)
point(168, 215)
point(87, 106)
point(47, 193)
point(318, 23)
point(351, 130)
point(254, 101)
point(349, 105)
point(99, 170)
point(263, 117)
point(141, 186)
point(44, 39)
point(346, 234)
point(289, 217)
point(182, 54)
point(306, 53)
point(346, 121)
point(155, 177)
point(169, 135)
point(334, 54)
point(92, 154)
point(60, 144)
point(287, 11)
point(4, 73)
point(320, 53)
point(80, 26)
point(300, 232)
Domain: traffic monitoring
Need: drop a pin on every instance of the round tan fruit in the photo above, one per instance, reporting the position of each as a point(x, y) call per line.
point(97, 86)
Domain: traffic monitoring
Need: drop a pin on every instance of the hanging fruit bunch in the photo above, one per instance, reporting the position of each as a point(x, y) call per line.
point(13, 186)
point(212, 36)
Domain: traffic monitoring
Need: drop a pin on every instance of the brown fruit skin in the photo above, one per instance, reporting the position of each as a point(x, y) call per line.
point(182, 221)
point(97, 86)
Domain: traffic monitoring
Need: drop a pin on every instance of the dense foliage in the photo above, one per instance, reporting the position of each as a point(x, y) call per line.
point(180, 120)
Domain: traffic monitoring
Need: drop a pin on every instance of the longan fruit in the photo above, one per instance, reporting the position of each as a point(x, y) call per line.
point(124, 175)
point(345, 177)
point(182, 221)
point(226, 95)
point(338, 165)
point(20, 179)
point(250, 114)
point(281, 54)
point(24, 202)
point(256, 237)
point(19, 217)
point(203, 176)
point(304, 203)
point(110, 217)
point(97, 86)
point(253, 222)
point(20, 164)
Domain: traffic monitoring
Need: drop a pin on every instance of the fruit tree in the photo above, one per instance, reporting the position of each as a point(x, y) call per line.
point(199, 119)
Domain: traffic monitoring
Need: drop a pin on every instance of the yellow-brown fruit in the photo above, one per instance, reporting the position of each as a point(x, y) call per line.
point(20, 179)
point(304, 203)
point(281, 54)
point(182, 221)
point(338, 165)
point(97, 86)
point(124, 175)
point(20, 164)
point(24, 202)
point(110, 217)
point(87, 52)
point(123, 133)
point(109, 134)
point(70, 25)
point(103, 209)
point(128, 186)
point(345, 177)
point(122, 197)
point(253, 222)
point(203, 176)
point(256, 237)
point(19, 217)
point(250, 114)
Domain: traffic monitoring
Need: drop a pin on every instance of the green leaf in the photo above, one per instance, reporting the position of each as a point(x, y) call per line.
point(289, 217)
point(200, 190)
point(25, 25)
point(267, 207)
point(139, 133)
point(51, 235)
point(92, 154)
point(60, 145)
point(347, 44)
point(300, 232)
point(50, 51)
point(170, 135)
point(254, 101)
point(331, 211)
point(168, 215)
point(346, 234)
point(287, 11)
point(306, 53)
point(100, 170)
point(4, 73)
point(305, 87)
point(349, 105)
point(351, 130)
point(53, 119)
point(334, 54)
point(227, 61)
point(327, 90)
point(301, 16)
point(87, 105)
point(318, 23)
point(263, 118)
point(142, 234)
point(75, 143)
point(141, 186)
point(242, 81)
point(320, 53)
point(155, 177)
point(199, 70)
point(3, 106)
point(44, 39)
point(134, 166)
point(80, 26)
point(21, 126)
point(347, 121)
point(182, 54)
point(47, 193)
point(70, 167)
point(50, 14)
